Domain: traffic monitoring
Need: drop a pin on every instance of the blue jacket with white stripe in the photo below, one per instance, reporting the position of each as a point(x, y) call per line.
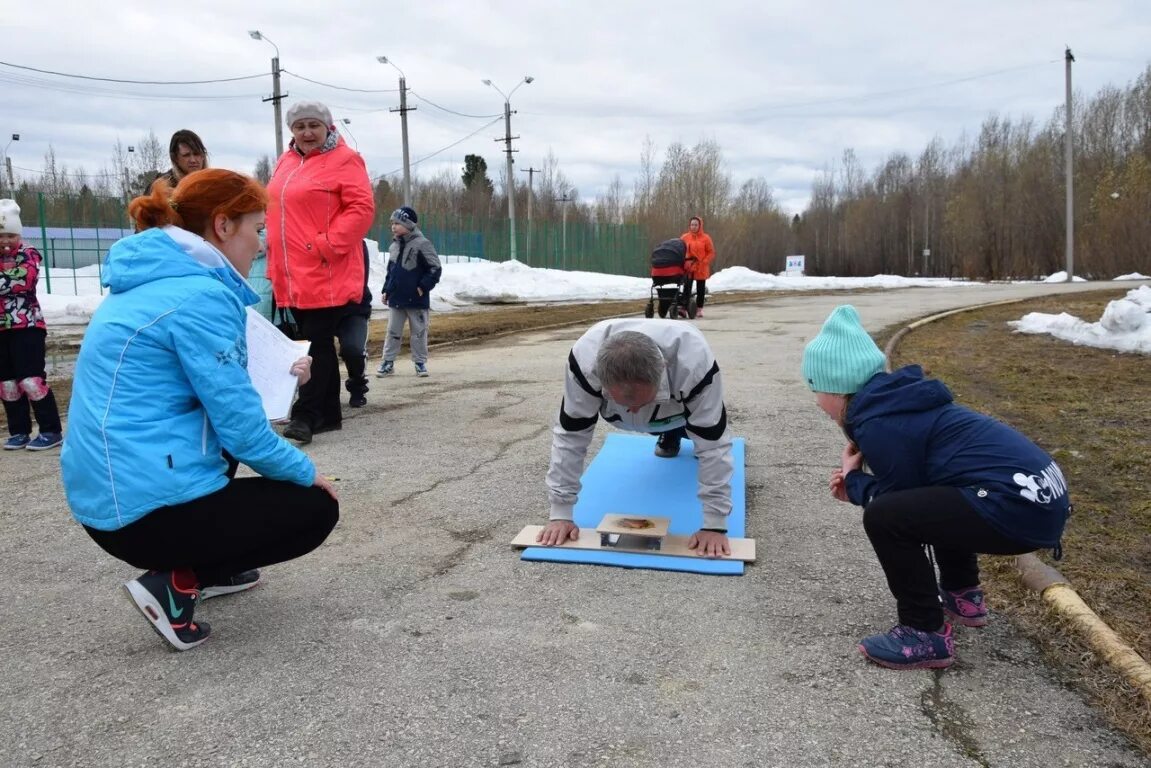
point(161, 386)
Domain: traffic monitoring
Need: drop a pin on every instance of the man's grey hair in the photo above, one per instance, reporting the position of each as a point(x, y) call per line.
point(629, 357)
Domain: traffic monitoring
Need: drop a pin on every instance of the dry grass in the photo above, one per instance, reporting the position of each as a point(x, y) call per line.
point(1091, 410)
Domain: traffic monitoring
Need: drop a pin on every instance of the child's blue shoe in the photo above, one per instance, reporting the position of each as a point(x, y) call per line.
point(905, 647)
point(46, 440)
point(965, 606)
point(16, 442)
point(421, 370)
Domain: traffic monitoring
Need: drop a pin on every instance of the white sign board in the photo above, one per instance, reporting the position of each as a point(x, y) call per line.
point(794, 265)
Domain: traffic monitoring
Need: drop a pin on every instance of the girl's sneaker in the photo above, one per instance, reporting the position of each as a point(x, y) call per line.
point(17, 442)
point(965, 606)
point(421, 369)
point(168, 608)
point(46, 440)
point(905, 647)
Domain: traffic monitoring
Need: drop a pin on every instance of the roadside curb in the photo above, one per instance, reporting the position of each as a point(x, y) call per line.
point(1051, 585)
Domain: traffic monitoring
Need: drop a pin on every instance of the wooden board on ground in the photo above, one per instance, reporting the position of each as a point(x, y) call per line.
point(674, 546)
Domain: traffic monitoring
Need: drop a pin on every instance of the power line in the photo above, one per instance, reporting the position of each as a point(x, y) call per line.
point(450, 111)
point(340, 87)
point(89, 90)
point(77, 174)
point(133, 82)
point(444, 149)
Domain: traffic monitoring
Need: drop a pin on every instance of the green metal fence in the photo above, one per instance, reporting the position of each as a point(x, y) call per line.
point(617, 249)
point(74, 232)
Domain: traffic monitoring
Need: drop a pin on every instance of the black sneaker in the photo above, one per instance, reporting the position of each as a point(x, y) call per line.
point(299, 431)
point(237, 583)
point(357, 401)
point(667, 446)
point(168, 608)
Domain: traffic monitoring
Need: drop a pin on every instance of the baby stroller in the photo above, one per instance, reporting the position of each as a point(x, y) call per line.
point(669, 265)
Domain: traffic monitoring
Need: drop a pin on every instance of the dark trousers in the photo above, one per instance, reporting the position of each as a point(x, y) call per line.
point(352, 332)
point(249, 523)
point(22, 357)
point(700, 290)
point(901, 524)
point(319, 400)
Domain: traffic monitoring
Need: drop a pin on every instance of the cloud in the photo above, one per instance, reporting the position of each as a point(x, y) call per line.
point(784, 87)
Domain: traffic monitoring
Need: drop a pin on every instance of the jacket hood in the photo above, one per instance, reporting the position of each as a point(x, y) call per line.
point(158, 254)
point(906, 390)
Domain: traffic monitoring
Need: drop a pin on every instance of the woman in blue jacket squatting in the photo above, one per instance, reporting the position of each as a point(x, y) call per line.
point(938, 475)
point(162, 401)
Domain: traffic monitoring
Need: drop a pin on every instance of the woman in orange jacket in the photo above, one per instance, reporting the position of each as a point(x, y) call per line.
point(320, 208)
point(700, 254)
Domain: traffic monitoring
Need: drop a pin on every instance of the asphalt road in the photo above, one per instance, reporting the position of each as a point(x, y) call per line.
point(416, 637)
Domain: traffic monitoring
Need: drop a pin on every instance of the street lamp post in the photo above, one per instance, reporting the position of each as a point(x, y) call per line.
point(276, 96)
point(347, 123)
point(403, 110)
point(507, 139)
point(8, 165)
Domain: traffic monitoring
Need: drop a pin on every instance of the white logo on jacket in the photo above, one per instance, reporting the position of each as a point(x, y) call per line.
point(1044, 487)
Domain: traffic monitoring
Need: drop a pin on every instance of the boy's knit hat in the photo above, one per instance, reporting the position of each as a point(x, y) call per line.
point(406, 217)
point(312, 109)
point(10, 218)
point(842, 358)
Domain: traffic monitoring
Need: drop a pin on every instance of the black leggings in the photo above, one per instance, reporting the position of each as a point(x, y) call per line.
point(901, 523)
point(249, 523)
point(319, 401)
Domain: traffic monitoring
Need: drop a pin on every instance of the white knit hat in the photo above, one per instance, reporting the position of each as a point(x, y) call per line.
point(313, 109)
point(10, 218)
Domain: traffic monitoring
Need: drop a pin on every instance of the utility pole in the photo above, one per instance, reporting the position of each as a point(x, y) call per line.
point(276, 96)
point(531, 172)
point(507, 139)
point(1068, 171)
point(403, 110)
point(564, 242)
point(8, 167)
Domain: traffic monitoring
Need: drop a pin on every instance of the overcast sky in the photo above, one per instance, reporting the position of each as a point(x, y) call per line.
point(783, 86)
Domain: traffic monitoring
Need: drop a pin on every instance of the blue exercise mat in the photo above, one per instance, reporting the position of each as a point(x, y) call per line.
point(626, 477)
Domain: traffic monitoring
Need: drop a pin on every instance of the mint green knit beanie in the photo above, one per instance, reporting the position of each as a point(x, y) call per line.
point(842, 358)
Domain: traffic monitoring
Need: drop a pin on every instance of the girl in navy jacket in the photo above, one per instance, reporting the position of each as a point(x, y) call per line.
point(937, 475)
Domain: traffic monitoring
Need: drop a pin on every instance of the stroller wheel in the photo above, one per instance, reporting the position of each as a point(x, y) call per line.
point(692, 309)
point(649, 310)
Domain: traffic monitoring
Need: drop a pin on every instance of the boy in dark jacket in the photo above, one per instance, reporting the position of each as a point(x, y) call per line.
point(938, 475)
point(413, 270)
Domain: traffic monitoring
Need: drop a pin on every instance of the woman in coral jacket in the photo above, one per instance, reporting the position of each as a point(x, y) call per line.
point(700, 254)
point(319, 211)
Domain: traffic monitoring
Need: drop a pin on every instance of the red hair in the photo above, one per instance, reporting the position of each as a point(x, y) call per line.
point(198, 200)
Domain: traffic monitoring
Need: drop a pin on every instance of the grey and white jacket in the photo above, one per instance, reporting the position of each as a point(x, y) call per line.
point(690, 394)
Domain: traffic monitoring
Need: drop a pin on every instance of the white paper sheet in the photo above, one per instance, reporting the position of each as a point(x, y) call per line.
point(270, 358)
